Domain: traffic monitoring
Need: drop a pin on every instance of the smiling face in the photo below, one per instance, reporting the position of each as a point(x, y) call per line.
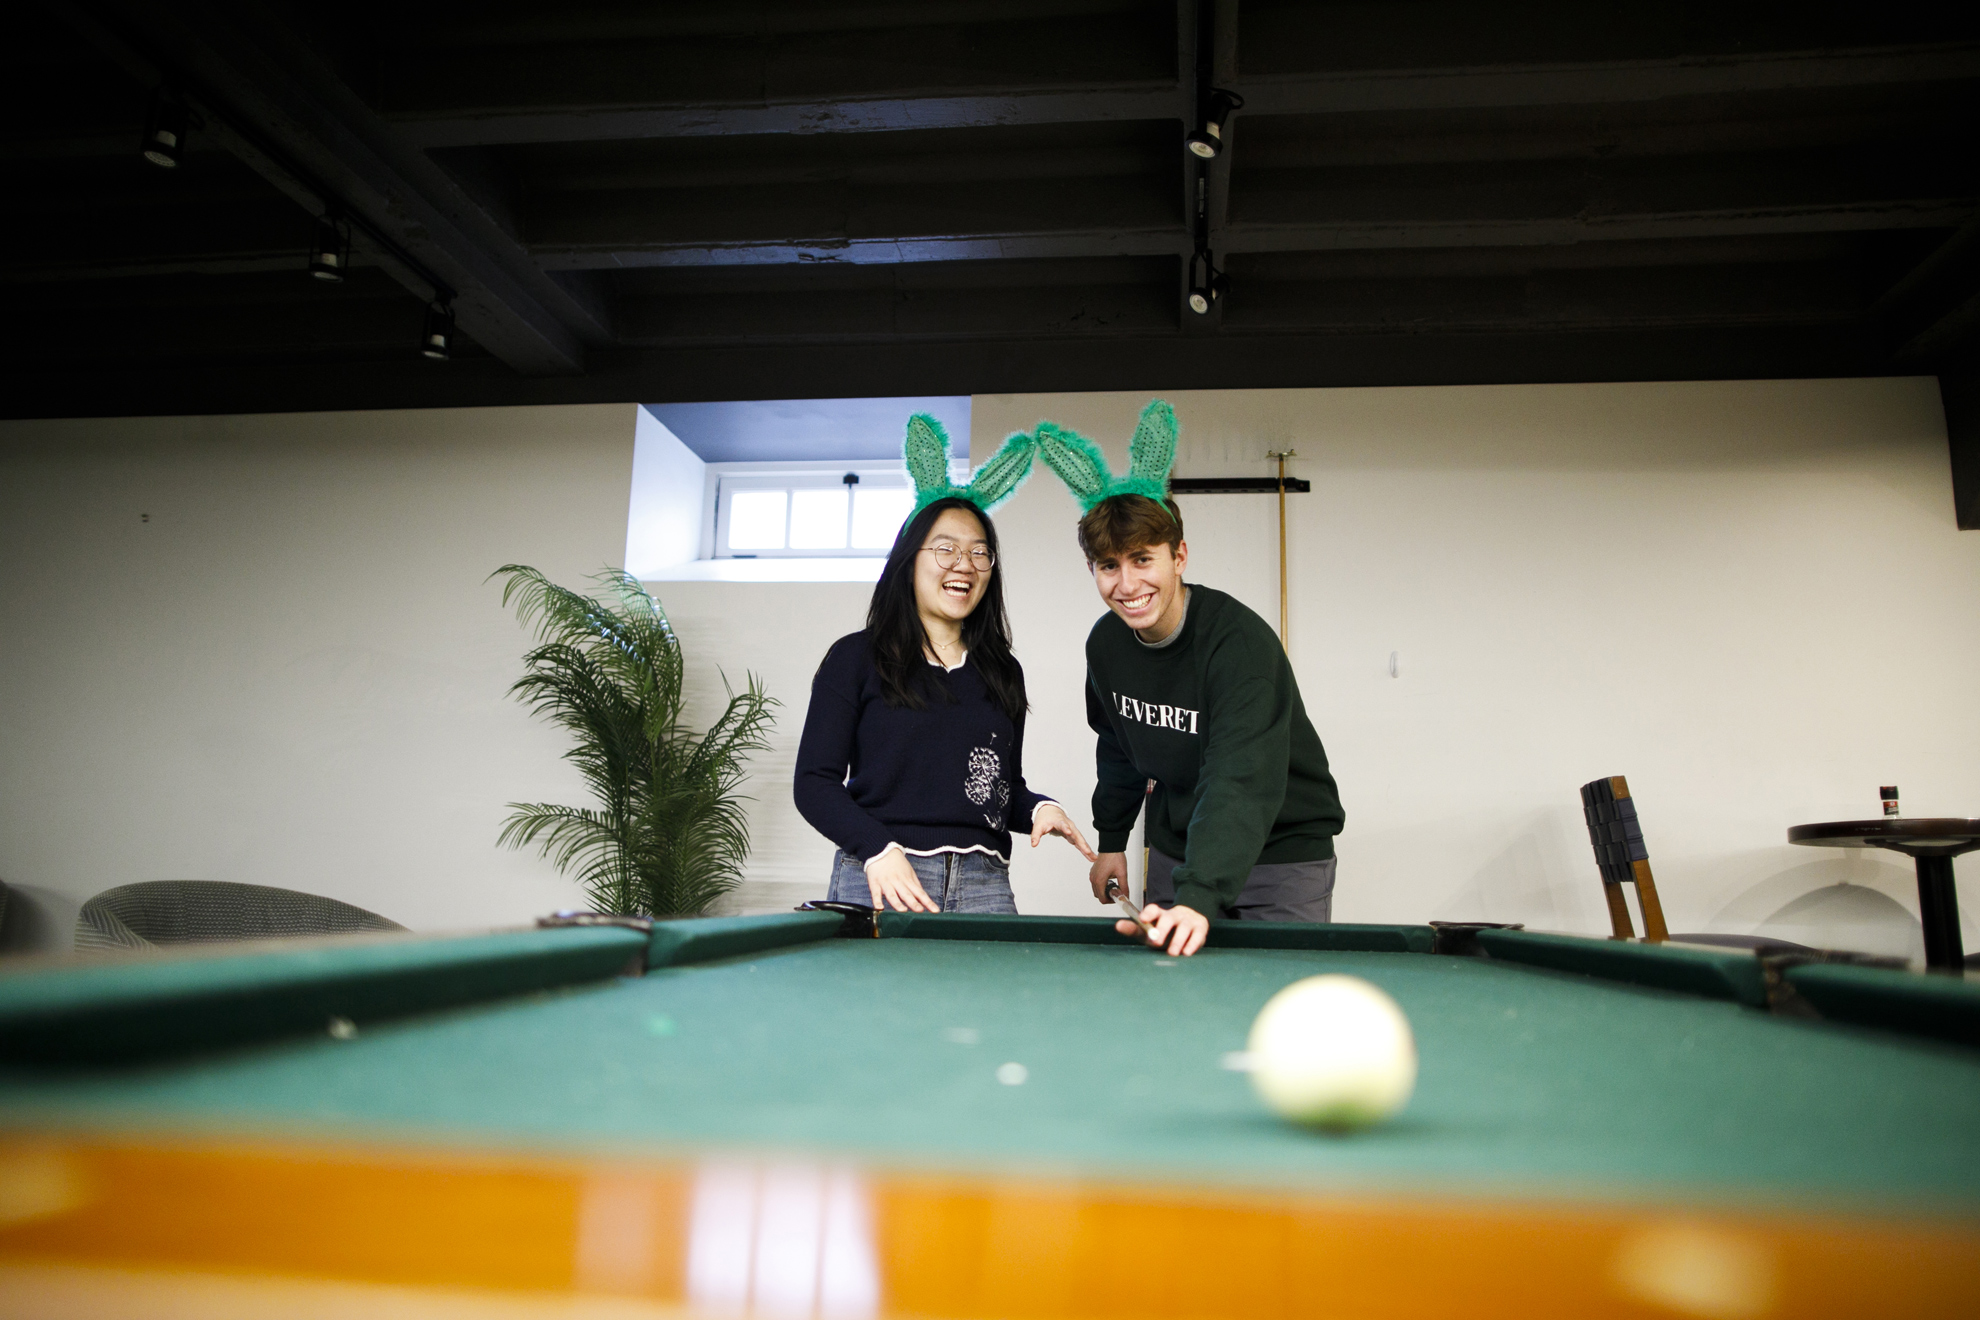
point(1145, 587)
point(951, 593)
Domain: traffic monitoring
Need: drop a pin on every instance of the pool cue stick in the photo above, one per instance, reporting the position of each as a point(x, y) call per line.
point(1285, 638)
point(1147, 792)
point(1133, 913)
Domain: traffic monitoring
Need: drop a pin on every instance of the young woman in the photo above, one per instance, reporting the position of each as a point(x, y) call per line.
point(912, 756)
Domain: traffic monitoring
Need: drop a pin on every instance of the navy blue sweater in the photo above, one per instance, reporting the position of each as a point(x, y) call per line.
point(949, 775)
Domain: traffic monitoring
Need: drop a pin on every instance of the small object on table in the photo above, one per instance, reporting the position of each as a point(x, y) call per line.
point(1133, 913)
point(1931, 844)
point(1331, 1051)
point(1890, 799)
point(861, 922)
point(1460, 938)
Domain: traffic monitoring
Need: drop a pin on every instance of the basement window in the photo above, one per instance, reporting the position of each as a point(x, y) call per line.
point(763, 513)
point(790, 490)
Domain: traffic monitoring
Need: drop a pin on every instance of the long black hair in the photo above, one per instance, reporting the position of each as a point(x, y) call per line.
point(895, 632)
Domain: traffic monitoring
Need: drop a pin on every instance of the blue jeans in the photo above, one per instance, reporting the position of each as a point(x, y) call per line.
point(958, 882)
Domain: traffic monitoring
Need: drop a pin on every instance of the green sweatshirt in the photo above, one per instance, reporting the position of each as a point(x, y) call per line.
point(1215, 719)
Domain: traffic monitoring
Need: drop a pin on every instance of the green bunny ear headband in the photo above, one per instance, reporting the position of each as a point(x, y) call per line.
point(927, 456)
point(1083, 468)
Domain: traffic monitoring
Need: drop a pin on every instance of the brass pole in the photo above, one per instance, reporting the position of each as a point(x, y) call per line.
point(1285, 637)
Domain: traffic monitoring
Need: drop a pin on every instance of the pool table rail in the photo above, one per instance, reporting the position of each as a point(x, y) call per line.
point(116, 1008)
point(110, 1009)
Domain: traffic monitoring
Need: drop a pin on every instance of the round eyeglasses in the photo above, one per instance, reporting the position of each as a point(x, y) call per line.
point(948, 554)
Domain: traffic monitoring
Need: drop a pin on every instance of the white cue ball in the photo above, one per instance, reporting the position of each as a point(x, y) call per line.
point(1332, 1051)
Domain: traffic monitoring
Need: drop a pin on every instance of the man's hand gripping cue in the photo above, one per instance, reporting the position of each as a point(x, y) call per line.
point(1180, 930)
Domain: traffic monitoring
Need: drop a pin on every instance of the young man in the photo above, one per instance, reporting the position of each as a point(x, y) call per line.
point(1188, 688)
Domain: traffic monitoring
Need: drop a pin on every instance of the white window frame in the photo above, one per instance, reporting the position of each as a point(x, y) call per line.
point(725, 479)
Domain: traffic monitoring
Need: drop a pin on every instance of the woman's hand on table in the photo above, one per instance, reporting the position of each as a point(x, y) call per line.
point(1050, 818)
point(894, 884)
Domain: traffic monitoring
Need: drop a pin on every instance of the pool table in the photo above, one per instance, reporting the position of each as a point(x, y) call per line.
point(813, 1115)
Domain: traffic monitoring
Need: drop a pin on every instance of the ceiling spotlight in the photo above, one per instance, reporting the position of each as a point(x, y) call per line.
point(1208, 139)
point(165, 129)
point(1206, 283)
point(438, 342)
point(332, 254)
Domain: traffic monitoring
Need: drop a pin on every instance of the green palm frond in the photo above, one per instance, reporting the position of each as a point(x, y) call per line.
point(668, 835)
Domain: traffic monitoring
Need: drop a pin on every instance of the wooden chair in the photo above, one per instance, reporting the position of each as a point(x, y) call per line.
point(1621, 857)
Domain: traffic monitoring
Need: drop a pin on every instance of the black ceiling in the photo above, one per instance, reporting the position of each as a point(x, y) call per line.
point(781, 198)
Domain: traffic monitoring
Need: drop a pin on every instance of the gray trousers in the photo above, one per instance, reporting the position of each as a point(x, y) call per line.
point(1280, 891)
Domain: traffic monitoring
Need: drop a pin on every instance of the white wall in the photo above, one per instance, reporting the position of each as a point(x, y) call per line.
point(779, 630)
point(294, 672)
point(663, 527)
point(1748, 597)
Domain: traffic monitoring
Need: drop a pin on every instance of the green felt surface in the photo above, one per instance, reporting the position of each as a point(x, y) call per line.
point(1532, 1080)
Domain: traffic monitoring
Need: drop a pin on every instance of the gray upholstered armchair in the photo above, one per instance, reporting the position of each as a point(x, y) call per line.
point(193, 911)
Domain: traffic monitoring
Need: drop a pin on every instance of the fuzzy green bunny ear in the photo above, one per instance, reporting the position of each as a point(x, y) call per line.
point(1077, 461)
point(1152, 452)
point(998, 480)
point(1083, 467)
point(926, 453)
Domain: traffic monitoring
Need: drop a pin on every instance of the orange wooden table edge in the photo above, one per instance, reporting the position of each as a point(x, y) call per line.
point(921, 1244)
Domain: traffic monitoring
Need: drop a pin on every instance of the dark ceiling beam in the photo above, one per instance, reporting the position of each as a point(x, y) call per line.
point(1324, 235)
point(1603, 83)
point(1961, 397)
point(1168, 239)
point(1197, 28)
point(105, 241)
point(1537, 299)
point(1013, 365)
point(858, 115)
point(271, 101)
point(1514, 291)
point(838, 69)
point(891, 316)
point(1317, 235)
point(1316, 93)
point(98, 268)
point(1927, 314)
point(305, 330)
point(1959, 393)
point(1223, 27)
point(1956, 330)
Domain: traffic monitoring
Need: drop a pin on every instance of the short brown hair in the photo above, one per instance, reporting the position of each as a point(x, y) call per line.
point(1124, 523)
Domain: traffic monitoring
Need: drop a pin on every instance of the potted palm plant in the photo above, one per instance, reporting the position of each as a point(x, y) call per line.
point(667, 835)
